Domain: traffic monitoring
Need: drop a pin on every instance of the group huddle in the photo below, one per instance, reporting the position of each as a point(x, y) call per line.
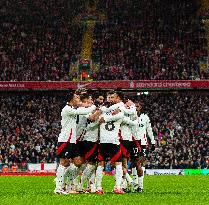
point(96, 129)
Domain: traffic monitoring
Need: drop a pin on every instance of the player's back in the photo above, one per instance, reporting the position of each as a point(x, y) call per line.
point(68, 130)
point(91, 131)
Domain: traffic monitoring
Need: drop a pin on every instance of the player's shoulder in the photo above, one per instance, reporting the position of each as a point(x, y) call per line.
point(144, 115)
point(65, 108)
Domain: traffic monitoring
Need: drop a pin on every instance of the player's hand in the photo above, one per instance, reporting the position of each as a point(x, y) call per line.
point(101, 120)
point(129, 103)
point(115, 112)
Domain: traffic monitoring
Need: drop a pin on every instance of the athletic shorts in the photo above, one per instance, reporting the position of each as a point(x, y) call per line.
point(109, 152)
point(67, 150)
point(126, 148)
point(138, 150)
point(89, 150)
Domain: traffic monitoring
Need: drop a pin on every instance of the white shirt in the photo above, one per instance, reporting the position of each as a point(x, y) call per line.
point(68, 122)
point(127, 123)
point(81, 122)
point(109, 131)
point(91, 132)
point(143, 128)
point(126, 128)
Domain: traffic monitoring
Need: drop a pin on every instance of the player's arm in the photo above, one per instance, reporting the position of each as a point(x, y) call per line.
point(92, 125)
point(79, 111)
point(94, 116)
point(130, 110)
point(150, 133)
point(110, 118)
point(149, 130)
point(128, 121)
point(112, 107)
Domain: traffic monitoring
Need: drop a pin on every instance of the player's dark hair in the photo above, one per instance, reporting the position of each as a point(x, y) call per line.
point(111, 92)
point(84, 96)
point(141, 103)
point(70, 96)
point(81, 91)
point(120, 94)
point(98, 93)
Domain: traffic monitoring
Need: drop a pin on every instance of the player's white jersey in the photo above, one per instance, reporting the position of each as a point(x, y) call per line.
point(126, 128)
point(109, 131)
point(68, 122)
point(91, 132)
point(127, 123)
point(81, 122)
point(142, 129)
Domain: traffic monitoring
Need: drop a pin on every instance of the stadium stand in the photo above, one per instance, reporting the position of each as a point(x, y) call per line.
point(138, 40)
point(150, 40)
point(37, 42)
point(30, 124)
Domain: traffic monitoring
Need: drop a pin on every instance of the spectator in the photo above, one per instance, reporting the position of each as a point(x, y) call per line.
point(41, 40)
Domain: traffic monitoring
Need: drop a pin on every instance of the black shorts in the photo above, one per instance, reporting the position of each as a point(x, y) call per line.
point(126, 148)
point(89, 150)
point(110, 152)
point(67, 150)
point(138, 150)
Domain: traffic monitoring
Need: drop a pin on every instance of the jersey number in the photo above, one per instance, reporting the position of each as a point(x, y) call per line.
point(110, 126)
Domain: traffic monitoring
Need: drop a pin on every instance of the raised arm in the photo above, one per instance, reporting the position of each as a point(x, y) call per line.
point(68, 110)
point(118, 116)
point(112, 107)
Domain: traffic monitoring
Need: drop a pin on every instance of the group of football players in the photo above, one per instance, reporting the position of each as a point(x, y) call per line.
point(97, 128)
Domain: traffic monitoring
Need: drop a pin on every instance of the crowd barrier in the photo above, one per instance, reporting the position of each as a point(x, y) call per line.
point(49, 169)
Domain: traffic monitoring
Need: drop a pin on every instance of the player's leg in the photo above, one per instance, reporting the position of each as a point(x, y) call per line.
point(100, 168)
point(116, 158)
point(90, 156)
point(126, 150)
point(127, 182)
point(124, 164)
point(60, 182)
point(141, 169)
point(138, 159)
point(73, 169)
point(134, 174)
point(80, 164)
point(91, 186)
point(99, 176)
point(138, 166)
point(64, 163)
point(93, 160)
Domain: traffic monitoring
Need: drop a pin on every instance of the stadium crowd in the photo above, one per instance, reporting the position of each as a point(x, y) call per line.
point(30, 125)
point(150, 40)
point(139, 40)
point(37, 42)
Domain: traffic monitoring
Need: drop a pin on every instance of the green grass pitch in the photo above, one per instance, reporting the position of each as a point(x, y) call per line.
point(166, 190)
